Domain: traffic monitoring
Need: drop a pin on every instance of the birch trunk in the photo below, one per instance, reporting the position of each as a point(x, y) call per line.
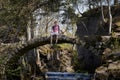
point(102, 12)
point(24, 59)
point(38, 62)
point(29, 30)
point(110, 16)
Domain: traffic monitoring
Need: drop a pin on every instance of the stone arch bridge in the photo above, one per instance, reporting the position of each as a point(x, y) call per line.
point(19, 49)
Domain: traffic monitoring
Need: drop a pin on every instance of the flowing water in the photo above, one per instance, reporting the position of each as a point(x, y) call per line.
point(68, 76)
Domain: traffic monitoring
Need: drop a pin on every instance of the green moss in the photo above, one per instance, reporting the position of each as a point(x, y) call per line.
point(65, 45)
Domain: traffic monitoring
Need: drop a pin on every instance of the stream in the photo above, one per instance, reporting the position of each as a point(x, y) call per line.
point(68, 76)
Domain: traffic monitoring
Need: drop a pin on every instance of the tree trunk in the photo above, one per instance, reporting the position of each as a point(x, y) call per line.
point(116, 2)
point(25, 58)
point(38, 62)
point(102, 12)
point(110, 16)
point(29, 30)
point(36, 32)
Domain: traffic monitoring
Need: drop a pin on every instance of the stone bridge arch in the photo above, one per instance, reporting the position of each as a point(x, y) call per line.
point(20, 50)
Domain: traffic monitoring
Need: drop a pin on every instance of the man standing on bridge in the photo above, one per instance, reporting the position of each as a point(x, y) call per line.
point(55, 32)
